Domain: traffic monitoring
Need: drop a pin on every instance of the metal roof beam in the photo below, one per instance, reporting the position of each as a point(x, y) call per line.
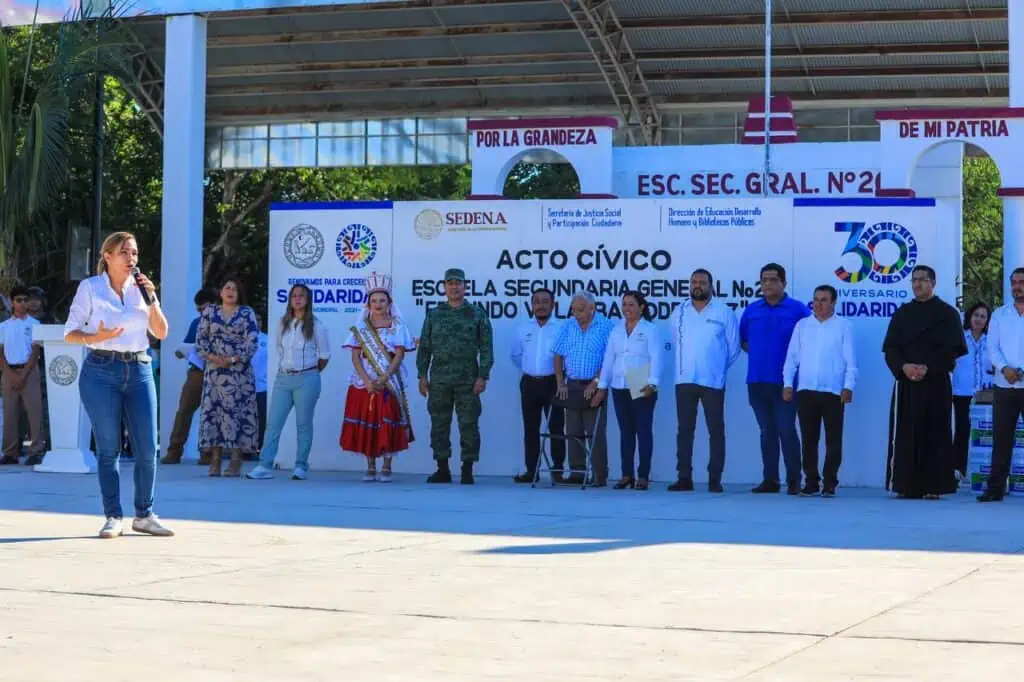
point(646, 23)
point(533, 58)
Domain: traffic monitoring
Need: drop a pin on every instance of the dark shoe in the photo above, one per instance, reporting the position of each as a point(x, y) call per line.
point(829, 491)
point(642, 484)
point(991, 496)
point(33, 460)
point(624, 482)
point(171, 458)
point(442, 475)
point(767, 487)
point(204, 458)
point(683, 485)
point(793, 489)
point(809, 490)
point(9, 460)
point(715, 487)
point(467, 473)
point(574, 478)
point(524, 478)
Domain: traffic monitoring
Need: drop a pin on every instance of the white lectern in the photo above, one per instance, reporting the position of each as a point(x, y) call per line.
point(70, 429)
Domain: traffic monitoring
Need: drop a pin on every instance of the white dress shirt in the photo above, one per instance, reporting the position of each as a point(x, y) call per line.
point(626, 351)
point(95, 302)
point(297, 353)
point(259, 364)
point(16, 338)
point(533, 350)
point(706, 343)
point(822, 353)
point(972, 372)
point(1006, 343)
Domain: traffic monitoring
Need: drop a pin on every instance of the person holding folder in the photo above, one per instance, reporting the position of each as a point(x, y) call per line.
point(632, 364)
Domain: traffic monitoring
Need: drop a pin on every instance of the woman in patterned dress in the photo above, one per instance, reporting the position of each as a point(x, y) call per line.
point(376, 422)
point(227, 339)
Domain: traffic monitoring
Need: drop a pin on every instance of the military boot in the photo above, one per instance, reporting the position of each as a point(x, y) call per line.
point(467, 473)
point(443, 473)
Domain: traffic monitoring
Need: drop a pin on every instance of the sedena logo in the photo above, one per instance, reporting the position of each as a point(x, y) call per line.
point(885, 252)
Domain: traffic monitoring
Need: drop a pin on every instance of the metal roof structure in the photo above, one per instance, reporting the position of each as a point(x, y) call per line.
point(633, 58)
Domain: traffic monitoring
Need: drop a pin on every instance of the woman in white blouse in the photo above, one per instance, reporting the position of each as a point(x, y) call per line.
point(110, 316)
point(972, 373)
point(302, 352)
point(633, 357)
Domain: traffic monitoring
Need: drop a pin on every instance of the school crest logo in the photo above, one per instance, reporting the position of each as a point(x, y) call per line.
point(63, 370)
point(885, 253)
point(303, 246)
point(356, 246)
point(428, 223)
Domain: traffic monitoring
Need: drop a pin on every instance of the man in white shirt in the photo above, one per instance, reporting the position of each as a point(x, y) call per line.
point(533, 354)
point(705, 338)
point(821, 352)
point(192, 390)
point(1006, 349)
point(20, 381)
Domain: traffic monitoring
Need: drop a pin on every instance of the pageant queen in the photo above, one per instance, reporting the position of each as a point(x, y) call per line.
point(376, 422)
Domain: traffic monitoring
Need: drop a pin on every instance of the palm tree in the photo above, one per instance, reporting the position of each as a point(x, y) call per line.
point(35, 117)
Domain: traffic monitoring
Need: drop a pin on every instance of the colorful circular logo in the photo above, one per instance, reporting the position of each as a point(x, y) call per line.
point(864, 244)
point(356, 246)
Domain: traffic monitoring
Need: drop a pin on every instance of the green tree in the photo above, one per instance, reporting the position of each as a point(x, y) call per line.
point(542, 181)
point(44, 74)
point(983, 233)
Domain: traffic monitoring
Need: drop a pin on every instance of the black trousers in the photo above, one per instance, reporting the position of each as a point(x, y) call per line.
point(1007, 408)
point(961, 431)
point(688, 397)
point(536, 394)
point(813, 409)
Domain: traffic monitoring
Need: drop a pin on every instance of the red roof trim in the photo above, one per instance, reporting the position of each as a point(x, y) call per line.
point(1010, 192)
point(897, 193)
point(577, 122)
point(932, 114)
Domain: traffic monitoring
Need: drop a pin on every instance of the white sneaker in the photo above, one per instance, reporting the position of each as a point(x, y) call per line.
point(370, 478)
point(299, 474)
point(151, 526)
point(384, 477)
point(260, 473)
point(111, 529)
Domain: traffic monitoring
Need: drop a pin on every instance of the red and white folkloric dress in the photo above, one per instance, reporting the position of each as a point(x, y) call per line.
point(377, 424)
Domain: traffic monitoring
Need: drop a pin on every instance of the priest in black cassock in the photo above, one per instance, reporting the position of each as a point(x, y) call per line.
point(921, 346)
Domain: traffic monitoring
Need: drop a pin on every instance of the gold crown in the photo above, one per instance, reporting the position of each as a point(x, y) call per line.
point(375, 282)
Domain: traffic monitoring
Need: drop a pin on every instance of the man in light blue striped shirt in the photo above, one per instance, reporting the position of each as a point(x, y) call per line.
point(579, 352)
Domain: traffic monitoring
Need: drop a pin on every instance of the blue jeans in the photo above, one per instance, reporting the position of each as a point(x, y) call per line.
point(636, 426)
point(777, 421)
point(111, 389)
point(300, 391)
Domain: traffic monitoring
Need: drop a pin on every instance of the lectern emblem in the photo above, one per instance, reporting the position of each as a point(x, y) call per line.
point(63, 370)
point(303, 246)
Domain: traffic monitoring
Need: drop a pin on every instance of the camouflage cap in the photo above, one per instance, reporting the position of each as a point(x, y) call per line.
point(455, 273)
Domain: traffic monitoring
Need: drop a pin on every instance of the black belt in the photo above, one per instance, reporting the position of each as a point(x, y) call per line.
point(298, 371)
point(123, 356)
point(546, 377)
point(17, 366)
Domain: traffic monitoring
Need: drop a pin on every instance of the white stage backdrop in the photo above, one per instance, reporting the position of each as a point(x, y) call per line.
point(607, 246)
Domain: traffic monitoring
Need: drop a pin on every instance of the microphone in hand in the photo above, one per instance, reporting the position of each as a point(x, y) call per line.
point(143, 290)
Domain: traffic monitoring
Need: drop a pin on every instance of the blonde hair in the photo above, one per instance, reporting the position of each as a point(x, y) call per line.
point(110, 245)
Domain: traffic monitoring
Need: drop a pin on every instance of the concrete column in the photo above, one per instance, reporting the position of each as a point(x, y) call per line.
point(1016, 26)
point(1013, 240)
point(184, 165)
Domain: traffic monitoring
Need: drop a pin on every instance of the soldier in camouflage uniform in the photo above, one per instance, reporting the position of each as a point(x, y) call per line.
point(456, 350)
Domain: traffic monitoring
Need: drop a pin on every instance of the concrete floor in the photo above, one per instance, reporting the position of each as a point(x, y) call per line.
point(332, 579)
